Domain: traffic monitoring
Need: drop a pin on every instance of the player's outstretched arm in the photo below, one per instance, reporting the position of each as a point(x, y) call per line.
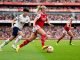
point(49, 22)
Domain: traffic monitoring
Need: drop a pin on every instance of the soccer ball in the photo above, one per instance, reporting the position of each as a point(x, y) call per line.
point(50, 49)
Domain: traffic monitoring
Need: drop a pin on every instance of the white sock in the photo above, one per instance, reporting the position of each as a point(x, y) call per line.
point(17, 40)
point(4, 43)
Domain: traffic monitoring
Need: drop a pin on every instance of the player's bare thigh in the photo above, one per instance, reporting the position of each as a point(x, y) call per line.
point(33, 36)
point(41, 31)
point(70, 33)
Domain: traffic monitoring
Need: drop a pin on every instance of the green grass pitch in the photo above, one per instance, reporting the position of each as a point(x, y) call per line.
point(33, 51)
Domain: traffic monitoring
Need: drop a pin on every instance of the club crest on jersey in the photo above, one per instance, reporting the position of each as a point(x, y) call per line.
point(43, 18)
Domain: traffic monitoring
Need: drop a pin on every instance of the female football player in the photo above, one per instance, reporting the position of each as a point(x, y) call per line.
point(38, 25)
point(17, 28)
point(67, 29)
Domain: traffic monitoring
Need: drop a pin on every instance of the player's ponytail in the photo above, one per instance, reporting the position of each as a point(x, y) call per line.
point(38, 9)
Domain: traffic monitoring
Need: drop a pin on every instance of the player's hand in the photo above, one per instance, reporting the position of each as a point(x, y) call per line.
point(52, 25)
point(72, 27)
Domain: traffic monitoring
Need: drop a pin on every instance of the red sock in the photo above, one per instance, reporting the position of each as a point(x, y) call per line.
point(43, 38)
point(24, 43)
point(42, 42)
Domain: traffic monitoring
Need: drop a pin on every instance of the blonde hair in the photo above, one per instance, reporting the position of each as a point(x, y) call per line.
point(43, 7)
point(40, 8)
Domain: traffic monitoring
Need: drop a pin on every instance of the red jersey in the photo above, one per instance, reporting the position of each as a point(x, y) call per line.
point(41, 20)
point(67, 28)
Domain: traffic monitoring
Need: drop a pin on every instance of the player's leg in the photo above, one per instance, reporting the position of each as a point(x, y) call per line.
point(31, 38)
point(16, 41)
point(71, 36)
point(28, 40)
point(6, 42)
point(63, 35)
point(43, 36)
point(19, 37)
point(14, 34)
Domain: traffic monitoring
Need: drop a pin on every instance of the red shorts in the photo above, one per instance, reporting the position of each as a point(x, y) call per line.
point(67, 28)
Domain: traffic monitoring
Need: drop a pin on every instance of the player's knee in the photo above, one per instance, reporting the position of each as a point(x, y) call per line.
point(29, 40)
point(23, 35)
point(72, 36)
point(26, 41)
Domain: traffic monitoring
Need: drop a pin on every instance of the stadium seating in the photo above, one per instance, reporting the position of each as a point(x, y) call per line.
point(58, 11)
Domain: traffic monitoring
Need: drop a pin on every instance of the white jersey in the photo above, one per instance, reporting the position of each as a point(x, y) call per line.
point(20, 21)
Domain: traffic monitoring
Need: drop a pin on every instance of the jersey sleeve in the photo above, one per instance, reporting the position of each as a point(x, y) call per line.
point(28, 19)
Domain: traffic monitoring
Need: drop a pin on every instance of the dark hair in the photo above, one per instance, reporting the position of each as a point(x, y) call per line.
point(26, 10)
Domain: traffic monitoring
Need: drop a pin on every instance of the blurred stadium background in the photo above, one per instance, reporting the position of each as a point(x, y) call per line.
point(58, 11)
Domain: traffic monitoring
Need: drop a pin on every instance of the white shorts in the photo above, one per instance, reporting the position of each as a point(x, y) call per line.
point(64, 31)
point(35, 28)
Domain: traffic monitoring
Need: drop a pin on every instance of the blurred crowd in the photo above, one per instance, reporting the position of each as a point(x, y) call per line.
point(59, 17)
point(52, 17)
point(38, 1)
point(49, 8)
point(6, 16)
point(52, 33)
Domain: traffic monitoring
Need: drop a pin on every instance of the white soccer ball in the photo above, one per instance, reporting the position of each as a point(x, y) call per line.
point(50, 49)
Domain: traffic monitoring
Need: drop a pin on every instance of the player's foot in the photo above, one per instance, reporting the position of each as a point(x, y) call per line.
point(71, 44)
point(13, 46)
point(17, 49)
point(44, 47)
point(0, 49)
